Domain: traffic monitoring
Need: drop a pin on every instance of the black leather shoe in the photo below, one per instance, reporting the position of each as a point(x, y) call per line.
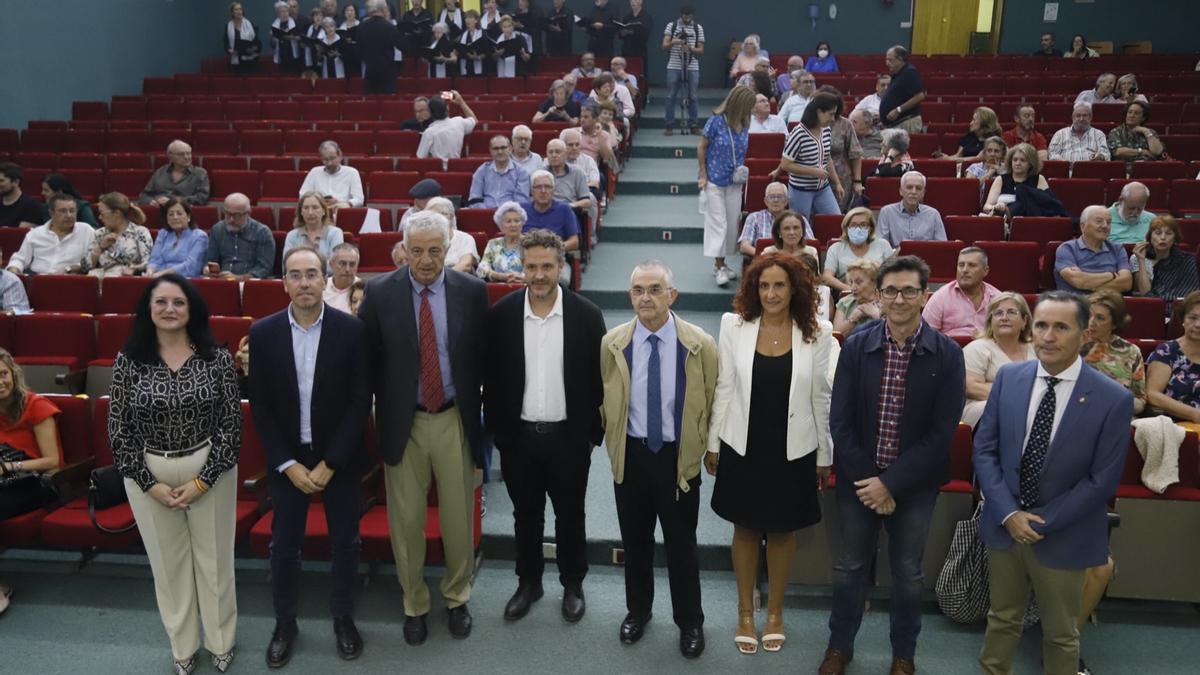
point(460, 621)
point(573, 605)
point(279, 650)
point(691, 642)
point(633, 627)
point(415, 630)
point(349, 642)
point(518, 605)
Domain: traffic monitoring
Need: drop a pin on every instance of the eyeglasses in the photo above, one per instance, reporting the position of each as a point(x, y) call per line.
point(653, 291)
point(1000, 313)
point(909, 292)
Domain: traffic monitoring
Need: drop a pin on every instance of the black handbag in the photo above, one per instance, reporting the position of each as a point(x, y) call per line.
point(14, 480)
point(106, 489)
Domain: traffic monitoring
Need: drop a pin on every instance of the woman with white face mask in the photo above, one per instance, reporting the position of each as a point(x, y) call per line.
point(824, 61)
point(858, 240)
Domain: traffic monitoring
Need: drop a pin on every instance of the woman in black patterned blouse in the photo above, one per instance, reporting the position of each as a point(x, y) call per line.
point(174, 425)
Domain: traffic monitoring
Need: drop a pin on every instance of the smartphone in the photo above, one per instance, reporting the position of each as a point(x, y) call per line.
point(213, 268)
point(447, 96)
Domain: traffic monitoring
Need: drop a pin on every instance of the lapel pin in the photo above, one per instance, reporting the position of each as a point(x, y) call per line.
point(1083, 399)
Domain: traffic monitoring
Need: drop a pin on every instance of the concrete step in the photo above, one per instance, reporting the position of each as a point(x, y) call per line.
point(651, 143)
point(634, 218)
point(653, 176)
point(606, 281)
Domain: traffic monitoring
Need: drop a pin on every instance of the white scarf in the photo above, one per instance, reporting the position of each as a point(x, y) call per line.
point(233, 34)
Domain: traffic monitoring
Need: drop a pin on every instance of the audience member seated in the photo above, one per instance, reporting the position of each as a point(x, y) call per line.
point(358, 290)
point(787, 235)
point(463, 254)
point(747, 58)
point(572, 83)
point(314, 226)
point(421, 118)
point(56, 247)
point(1132, 141)
point(1079, 49)
point(522, 155)
point(399, 255)
point(424, 190)
point(1080, 142)
point(860, 302)
point(579, 160)
point(1022, 168)
point(18, 209)
point(1106, 83)
point(1173, 370)
point(122, 247)
point(1110, 353)
point(763, 121)
point(1091, 262)
point(894, 159)
point(759, 225)
point(759, 79)
point(959, 308)
point(240, 247)
point(498, 180)
point(858, 242)
point(991, 165)
point(869, 137)
point(1160, 267)
point(618, 68)
point(1130, 219)
point(909, 219)
point(870, 103)
point(608, 113)
point(1007, 337)
point(444, 137)
point(984, 124)
point(180, 246)
point(558, 106)
point(544, 212)
point(1024, 132)
point(594, 141)
point(177, 178)
point(13, 299)
point(340, 186)
point(783, 83)
point(604, 88)
point(1127, 89)
point(56, 182)
point(29, 438)
point(1046, 47)
point(344, 263)
point(824, 61)
point(587, 66)
point(570, 184)
point(501, 260)
point(823, 295)
point(804, 85)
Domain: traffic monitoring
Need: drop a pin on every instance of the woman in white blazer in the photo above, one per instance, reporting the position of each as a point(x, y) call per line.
point(769, 430)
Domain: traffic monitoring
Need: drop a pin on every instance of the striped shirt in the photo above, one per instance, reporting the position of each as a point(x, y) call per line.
point(803, 148)
point(891, 394)
point(1066, 145)
point(693, 35)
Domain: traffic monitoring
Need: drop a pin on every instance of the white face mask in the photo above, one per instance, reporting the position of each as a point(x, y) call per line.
point(822, 53)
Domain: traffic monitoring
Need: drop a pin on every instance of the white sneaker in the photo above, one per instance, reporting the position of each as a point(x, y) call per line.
point(729, 272)
point(722, 277)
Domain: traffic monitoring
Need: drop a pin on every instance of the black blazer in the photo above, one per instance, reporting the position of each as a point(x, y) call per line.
point(341, 396)
point(376, 40)
point(504, 385)
point(395, 355)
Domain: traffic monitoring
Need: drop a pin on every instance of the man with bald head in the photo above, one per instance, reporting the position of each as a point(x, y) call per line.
point(783, 83)
point(177, 178)
point(758, 224)
point(573, 141)
point(340, 186)
point(570, 184)
point(1130, 219)
point(868, 136)
point(1080, 142)
point(239, 247)
point(1092, 262)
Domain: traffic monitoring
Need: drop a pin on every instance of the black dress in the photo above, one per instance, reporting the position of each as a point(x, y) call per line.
point(763, 490)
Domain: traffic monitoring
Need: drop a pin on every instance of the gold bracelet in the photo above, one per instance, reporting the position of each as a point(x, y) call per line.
point(200, 485)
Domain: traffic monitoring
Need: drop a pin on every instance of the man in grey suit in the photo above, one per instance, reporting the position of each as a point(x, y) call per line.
point(425, 330)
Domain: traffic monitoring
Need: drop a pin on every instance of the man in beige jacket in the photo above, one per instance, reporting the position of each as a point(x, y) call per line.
point(659, 375)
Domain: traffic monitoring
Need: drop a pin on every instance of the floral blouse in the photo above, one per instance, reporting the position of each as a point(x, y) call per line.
point(1119, 359)
point(1184, 384)
point(726, 150)
point(131, 249)
point(497, 258)
point(153, 406)
point(1122, 137)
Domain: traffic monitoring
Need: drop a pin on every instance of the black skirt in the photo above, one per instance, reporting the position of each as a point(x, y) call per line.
point(762, 490)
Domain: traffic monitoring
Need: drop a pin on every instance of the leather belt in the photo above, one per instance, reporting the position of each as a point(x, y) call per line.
point(186, 452)
point(445, 406)
point(544, 427)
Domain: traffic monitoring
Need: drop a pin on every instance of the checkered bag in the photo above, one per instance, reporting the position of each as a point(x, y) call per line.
point(962, 586)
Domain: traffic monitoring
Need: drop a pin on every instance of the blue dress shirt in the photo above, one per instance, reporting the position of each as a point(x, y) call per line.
point(437, 305)
point(667, 353)
point(183, 253)
point(305, 342)
point(496, 187)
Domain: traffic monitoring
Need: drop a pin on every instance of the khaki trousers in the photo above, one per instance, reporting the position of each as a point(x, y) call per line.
point(913, 125)
point(437, 450)
point(1059, 595)
point(191, 555)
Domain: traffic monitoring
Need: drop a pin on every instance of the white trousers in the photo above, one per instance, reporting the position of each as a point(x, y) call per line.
point(722, 209)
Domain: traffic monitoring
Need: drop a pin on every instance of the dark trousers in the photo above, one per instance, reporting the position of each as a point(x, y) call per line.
point(543, 464)
point(28, 495)
point(907, 528)
point(649, 493)
point(342, 499)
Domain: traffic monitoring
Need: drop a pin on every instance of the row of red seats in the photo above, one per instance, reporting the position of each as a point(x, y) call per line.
point(941, 168)
point(1162, 113)
point(67, 161)
point(974, 64)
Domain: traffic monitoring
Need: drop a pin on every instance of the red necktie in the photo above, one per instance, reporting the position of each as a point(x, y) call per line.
point(431, 368)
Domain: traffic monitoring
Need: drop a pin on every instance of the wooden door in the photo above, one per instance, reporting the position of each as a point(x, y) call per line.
point(943, 26)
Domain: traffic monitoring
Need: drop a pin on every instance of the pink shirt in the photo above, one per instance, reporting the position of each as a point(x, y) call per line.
point(590, 145)
point(950, 312)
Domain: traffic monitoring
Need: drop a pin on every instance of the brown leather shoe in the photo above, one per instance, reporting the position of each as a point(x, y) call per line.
point(835, 662)
point(902, 667)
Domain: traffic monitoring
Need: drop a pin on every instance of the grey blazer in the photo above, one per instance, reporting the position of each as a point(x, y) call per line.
point(395, 358)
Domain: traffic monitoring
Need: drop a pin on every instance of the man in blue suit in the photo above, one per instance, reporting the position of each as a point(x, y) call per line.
point(1049, 452)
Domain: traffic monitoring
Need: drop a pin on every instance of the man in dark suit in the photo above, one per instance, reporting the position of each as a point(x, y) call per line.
point(377, 40)
point(425, 328)
point(898, 393)
point(542, 398)
point(310, 398)
point(1049, 451)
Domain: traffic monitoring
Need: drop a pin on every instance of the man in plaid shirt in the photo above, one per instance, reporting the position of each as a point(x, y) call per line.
point(897, 398)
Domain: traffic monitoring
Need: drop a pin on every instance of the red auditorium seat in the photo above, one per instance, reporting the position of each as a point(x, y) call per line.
point(1159, 189)
point(376, 251)
point(119, 295)
point(320, 111)
point(477, 220)
point(941, 256)
point(1147, 318)
point(366, 165)
point(221, 296)
point(1185, 197)
point(393, 186)
point(356, 142)
point(766, 145)
point(214, 141)
point(243, 110)
point(128, 110)
point(89, 110)
point(229, 330)
point(360, 110)
point(272, 163)
point(467, 164)
point(84, 140)
point(402, 143)
point(953, 196)
point(1183, 147)
point(376, 542)
point(351, 219)
point(1167, 170)
point(222, 162)
point(454, 183)
point(11, 239)
point(282, 186)
point(1055, 168)
point(883, 191)
point(261, 142)
point(826, 227)
point(1098, 169)
point(139, 161)
point(968, 228)
point(89, 183)
point(262, 297)
point(1078, 193)
point(1041, 229)
point(280, 110)
point(246, 182)
point(127, 181)
point(287, 218)
point(755, 188)
point(205, 216)
point(54, 349)
point(923, 145)
point(64, 293)
point(498, 290)
point(935, 168)
point(112, 330)
point(41, 140)
point(962, 469)
point(69, 161)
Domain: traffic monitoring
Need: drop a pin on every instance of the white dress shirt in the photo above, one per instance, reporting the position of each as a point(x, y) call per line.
point(774, 124)
point(338, 299)
point(869, 104)
point(461, 244)
point(639, 379)
point(305, 342)
point(343, 186)
point(1062, 393)
point(444, 138)
point(545, 398)
point(43, 252)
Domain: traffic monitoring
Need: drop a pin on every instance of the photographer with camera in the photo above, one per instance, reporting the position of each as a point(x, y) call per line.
point(684, 39)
